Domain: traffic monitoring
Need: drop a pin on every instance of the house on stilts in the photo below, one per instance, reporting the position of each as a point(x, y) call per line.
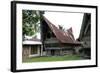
point(85, 36)
point(57, 42)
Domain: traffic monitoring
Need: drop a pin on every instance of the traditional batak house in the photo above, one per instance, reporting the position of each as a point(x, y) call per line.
point(56, 41)
point(85, 36)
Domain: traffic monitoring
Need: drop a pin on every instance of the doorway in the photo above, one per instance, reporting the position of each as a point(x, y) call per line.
point(52, 52)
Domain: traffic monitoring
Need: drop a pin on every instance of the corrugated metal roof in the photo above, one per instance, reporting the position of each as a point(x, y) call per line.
point(62, 36)
point(32, 42)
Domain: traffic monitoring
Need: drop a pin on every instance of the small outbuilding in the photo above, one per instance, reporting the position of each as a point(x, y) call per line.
point(31, 48)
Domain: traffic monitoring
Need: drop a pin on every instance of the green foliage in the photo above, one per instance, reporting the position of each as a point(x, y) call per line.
point(31, 22)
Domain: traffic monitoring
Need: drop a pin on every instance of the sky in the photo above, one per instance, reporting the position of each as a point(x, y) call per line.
point(66, 20)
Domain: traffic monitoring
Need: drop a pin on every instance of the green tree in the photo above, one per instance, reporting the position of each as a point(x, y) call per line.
point(31, 22)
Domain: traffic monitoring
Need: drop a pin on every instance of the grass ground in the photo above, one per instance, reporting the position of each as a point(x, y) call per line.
point(52, 58)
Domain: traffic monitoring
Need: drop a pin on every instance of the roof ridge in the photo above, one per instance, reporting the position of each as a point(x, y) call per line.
point(61, 35)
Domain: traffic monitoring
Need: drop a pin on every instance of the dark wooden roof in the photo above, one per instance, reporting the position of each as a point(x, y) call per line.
point(86, 23)
point(62, 36)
